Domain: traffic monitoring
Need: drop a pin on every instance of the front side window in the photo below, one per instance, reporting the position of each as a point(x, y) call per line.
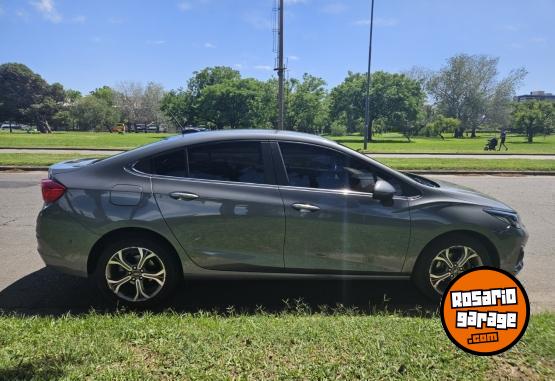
point(311, 166)
point(233, 161)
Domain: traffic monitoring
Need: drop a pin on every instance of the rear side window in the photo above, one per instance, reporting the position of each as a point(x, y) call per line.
point(167, 164)
point(233, 161)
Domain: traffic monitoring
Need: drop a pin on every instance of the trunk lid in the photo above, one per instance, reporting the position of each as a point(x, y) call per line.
point(69, 166)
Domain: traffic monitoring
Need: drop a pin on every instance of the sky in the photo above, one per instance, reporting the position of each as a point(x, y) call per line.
point(88, 44)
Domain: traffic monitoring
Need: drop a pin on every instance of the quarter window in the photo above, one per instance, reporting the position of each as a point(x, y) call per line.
point(234, 161)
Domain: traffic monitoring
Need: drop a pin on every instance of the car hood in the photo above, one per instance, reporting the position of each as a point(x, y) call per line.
point(470, 195)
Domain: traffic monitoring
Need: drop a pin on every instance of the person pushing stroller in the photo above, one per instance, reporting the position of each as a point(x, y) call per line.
point(491, 144)
point(503, 137)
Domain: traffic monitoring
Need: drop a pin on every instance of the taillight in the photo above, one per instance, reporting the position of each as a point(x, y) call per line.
point(51, 190)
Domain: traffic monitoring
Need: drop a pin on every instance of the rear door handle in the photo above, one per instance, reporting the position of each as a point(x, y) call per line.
point(183, 196)
point(305, 207)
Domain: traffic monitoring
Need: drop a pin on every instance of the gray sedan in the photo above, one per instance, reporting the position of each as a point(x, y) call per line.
point(262, 203)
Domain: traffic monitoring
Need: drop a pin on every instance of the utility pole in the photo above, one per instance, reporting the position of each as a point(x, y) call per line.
point(367, 122)
point(280, 69)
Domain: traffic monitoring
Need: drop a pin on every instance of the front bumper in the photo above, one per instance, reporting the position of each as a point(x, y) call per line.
point(511, 249)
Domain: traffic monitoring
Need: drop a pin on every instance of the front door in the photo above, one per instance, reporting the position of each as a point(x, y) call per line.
point(225, 208)
point(333, 223)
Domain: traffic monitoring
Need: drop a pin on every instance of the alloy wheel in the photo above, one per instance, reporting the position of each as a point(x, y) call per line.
point(135, 274)
point(449, 263)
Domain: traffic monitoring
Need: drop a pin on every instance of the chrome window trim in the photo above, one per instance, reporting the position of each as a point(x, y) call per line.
point(343, 192)
point(131, 169)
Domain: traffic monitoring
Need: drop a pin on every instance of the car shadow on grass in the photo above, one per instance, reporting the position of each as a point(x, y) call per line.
point(47, 292)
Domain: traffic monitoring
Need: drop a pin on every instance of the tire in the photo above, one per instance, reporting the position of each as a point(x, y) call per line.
point(123, 279)
point(431, 266)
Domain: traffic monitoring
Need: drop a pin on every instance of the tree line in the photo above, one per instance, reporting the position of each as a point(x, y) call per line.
point(465, 95)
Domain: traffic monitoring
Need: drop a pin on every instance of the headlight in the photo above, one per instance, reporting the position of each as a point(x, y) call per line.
point(507, 216)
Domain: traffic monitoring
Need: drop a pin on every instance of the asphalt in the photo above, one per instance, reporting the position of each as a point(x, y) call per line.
point(495, 155)
point(27, 287)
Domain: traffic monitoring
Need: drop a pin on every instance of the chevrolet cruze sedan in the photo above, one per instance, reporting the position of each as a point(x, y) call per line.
point(261, 203)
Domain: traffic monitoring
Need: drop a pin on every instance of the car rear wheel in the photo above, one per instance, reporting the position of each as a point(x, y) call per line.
point(446, 258)
point(137, 272)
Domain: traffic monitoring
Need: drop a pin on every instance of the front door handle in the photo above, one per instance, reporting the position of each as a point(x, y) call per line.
point(183, 196)
point(305, 207)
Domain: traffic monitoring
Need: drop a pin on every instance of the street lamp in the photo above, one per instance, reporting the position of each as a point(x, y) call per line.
point(367, 127)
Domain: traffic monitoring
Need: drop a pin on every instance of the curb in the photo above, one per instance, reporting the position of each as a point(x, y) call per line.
point(478, 172)
point(27, 168)
point(22, 168)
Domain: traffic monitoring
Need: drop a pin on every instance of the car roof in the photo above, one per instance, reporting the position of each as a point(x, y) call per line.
point(245, 134)
point(225, 135)
point(214, 136)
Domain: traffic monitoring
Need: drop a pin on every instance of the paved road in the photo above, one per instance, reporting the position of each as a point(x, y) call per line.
point(26, 286)
point(501, 155)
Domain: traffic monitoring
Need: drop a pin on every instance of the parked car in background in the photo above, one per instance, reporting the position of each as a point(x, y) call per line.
point(141, 127)
point(190, 130)
point(260, 203)
point(16, 127)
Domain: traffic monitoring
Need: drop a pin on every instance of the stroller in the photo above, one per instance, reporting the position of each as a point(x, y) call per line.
point(491, 144)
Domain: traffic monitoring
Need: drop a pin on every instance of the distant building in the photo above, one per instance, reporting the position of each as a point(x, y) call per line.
point(536, 95)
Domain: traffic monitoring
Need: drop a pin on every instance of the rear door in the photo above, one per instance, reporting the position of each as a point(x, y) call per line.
point(333, 223)
point(221, 202)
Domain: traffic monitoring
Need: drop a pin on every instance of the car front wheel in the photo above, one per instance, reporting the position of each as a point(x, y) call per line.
point(446, 258)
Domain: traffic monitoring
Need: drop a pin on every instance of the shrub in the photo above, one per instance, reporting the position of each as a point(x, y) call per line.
point(338, 129)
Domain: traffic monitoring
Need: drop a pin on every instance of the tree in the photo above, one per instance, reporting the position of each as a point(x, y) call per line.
point(395, 101)
point(176, 105)
point(105, 93)
point(93, 113)
point(20, 88)
point(211, 76)
point(347, 101)
point(533, 117)
point(441, 124)
point(219, 98)
point(467, 89)
point(139, 104)
point(229, 104)
point(307, 107)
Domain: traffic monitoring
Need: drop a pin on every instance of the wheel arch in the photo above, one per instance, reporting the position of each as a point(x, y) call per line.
point(492, 250)
point(120, 233)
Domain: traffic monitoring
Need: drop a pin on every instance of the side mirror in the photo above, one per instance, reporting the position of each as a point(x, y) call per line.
point(383, 190)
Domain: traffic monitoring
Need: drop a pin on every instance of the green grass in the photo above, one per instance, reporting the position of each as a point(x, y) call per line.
point(469, 164)
point(46, 159)
point(388, 143)
point(395, 143)
point(300, 345)
point(78, 140)
point(39, 159)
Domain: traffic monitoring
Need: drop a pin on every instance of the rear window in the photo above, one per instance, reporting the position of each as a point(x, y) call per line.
point(233, 161)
